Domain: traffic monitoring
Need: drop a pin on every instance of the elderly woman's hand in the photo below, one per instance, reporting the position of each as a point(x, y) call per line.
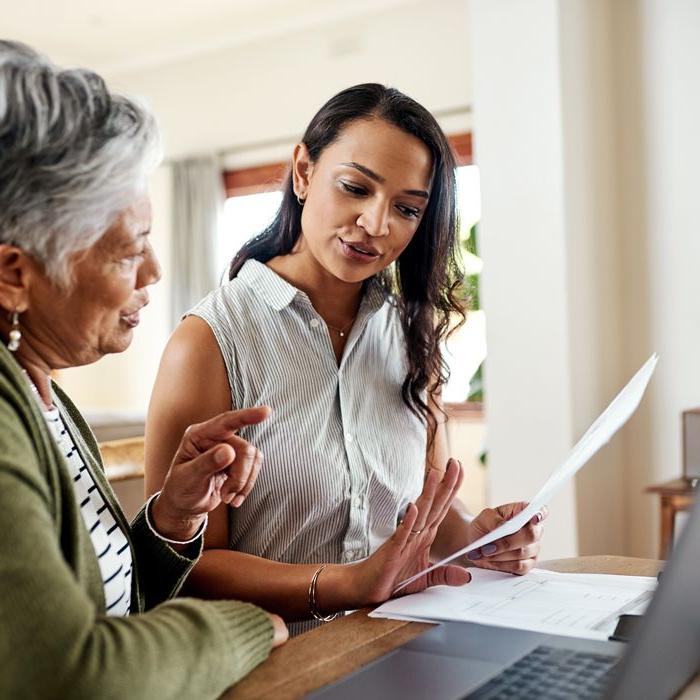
point(515, 554)
point(212, 465)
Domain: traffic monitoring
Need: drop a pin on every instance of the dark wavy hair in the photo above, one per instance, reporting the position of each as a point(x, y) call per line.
point(425, 280)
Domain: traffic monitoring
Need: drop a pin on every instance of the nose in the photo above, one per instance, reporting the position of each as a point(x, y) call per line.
point(150, 271)
point(375, 219)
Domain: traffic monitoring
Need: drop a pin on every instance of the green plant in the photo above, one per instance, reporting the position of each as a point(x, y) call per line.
point(472, 268)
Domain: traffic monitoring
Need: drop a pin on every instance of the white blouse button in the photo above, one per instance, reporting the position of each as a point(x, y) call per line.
point(314, 323)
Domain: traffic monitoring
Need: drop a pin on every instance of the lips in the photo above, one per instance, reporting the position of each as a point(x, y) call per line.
point(132, 317)
point(363, 252)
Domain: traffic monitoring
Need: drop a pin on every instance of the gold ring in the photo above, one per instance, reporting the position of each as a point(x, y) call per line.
point(416, 532)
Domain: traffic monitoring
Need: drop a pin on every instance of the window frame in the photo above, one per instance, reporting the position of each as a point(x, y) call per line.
point(269, 177)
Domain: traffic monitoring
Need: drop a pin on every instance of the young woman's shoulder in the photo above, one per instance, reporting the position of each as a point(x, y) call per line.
point(225, 304)
point(237, 305)
point(191, 387)
point(192, 354)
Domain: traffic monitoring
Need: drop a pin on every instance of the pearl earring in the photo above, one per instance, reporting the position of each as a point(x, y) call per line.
point(15, 333)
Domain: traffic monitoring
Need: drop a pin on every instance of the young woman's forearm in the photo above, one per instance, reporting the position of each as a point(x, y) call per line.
point(278, 588)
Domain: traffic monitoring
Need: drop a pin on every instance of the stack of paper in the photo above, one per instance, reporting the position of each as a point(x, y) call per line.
point(599, 434)
point(576, 605)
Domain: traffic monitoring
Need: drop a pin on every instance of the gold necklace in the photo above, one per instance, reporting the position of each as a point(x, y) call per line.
point(342, 331)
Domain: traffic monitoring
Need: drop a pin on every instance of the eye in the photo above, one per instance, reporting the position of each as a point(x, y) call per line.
point(355, 190)
point(129, 261)
point(408, 212)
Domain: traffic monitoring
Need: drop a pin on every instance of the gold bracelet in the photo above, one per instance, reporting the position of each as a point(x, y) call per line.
point(313, 609)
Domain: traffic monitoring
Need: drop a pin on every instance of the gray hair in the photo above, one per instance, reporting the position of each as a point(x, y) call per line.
point(73, 155)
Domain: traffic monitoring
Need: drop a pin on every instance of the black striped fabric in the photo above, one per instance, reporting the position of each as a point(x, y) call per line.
point(110, 543)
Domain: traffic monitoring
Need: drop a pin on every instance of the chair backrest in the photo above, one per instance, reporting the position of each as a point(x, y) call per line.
point(123, 459)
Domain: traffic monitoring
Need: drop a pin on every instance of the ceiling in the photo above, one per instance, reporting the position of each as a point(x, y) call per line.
point(116, 37)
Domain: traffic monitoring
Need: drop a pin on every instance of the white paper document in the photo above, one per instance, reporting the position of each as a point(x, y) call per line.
point(575, 605)
point(599, 434)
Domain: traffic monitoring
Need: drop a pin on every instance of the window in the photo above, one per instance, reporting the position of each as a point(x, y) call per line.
point(244, 217)
point(466, 348)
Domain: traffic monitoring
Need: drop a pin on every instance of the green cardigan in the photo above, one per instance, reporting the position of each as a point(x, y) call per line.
point(55, 639)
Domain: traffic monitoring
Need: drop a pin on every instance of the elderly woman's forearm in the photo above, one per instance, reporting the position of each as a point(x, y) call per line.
point(61, 645)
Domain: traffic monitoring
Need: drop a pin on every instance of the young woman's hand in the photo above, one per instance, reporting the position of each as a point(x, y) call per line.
point(212, 465)
point(515, 554)
point(408, 550)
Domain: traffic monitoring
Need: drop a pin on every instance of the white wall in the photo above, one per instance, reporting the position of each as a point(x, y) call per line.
point(519, 148)
point(659, 146)
point(592, 214)
point(269, 90)
point(585, 115)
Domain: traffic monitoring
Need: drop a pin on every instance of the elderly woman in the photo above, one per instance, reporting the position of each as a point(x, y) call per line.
point(83, 609)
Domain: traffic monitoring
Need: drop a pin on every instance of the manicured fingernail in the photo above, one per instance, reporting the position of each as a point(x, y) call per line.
point(238, 500)
point(474, 555)
point(488, 549)
point(536, 518)
point(221, 456)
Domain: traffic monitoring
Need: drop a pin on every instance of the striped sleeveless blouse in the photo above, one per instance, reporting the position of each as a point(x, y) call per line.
point(343, 455)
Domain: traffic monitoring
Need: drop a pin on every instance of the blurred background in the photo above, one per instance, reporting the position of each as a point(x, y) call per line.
point(575, 127)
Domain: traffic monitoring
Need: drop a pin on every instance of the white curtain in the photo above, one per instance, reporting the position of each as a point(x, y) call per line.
point(198, 200)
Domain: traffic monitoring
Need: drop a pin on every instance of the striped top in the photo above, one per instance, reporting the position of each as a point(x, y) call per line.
point(343, 455)
point(110, 543)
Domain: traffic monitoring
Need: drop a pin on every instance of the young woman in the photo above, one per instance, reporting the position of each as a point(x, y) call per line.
point(334, 316)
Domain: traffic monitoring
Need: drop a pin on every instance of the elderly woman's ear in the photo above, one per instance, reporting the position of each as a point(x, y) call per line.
point(16, 270)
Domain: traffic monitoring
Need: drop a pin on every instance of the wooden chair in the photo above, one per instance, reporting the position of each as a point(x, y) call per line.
point(123, 459)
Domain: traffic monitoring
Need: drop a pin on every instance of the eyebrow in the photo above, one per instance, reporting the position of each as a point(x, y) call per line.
point(126, 245)
point(378, 178)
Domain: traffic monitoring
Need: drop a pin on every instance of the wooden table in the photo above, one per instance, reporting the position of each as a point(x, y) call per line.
point(676, 496)
point(328, 653)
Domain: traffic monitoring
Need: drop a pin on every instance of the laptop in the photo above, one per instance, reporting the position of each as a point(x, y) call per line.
point(464, 660)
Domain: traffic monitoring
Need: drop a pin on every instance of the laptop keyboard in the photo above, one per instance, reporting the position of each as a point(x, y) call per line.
point(551, 673)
